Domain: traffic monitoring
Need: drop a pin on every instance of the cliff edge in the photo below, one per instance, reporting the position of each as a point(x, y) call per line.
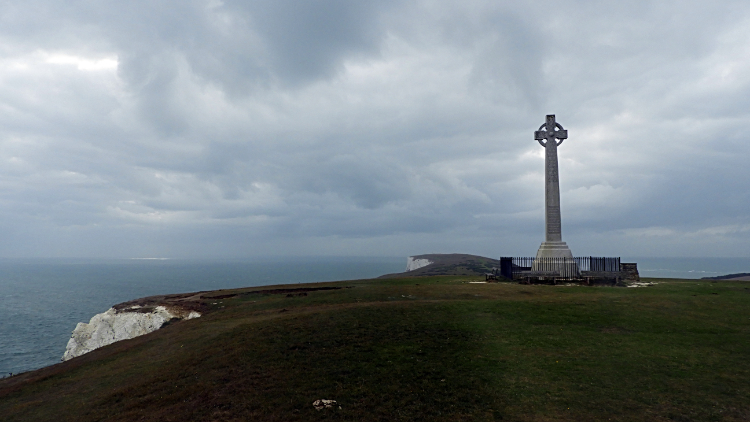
point(115, 325)
point(132, 319)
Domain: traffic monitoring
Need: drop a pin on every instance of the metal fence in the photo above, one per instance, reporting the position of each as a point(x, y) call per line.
point(601, 264)
point(512, 267)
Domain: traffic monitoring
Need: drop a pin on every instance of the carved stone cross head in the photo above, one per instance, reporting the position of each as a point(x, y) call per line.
point(552, 131)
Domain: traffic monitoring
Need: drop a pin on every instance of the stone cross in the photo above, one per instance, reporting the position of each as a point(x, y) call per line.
point(548, 135)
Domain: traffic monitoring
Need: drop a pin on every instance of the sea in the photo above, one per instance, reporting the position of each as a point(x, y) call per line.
point(42, 300)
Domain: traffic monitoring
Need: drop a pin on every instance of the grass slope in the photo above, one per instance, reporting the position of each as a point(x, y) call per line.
point(433, 348)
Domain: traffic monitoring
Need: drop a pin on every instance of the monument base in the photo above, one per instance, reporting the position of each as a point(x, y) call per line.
point(554, 250)
point(556, 257)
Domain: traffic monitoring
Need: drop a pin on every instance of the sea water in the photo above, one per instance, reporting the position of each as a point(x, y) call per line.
point(689, 267)
point(42, 300)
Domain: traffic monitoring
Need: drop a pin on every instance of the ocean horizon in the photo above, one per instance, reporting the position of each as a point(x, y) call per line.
point(42, 300)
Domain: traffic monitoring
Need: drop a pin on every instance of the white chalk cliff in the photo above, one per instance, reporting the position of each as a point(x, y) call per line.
point(414, 264)
point(115, 325)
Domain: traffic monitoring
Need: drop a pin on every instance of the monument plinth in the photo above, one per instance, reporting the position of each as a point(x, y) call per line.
point(548, 135)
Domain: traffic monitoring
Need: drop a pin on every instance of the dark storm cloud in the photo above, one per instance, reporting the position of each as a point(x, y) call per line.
point(342, 127)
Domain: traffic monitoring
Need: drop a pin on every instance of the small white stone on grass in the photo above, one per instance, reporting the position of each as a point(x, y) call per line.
point(641, 284)
point(324, 404)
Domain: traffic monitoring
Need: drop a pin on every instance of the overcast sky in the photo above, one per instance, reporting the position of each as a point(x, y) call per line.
point(209, 128)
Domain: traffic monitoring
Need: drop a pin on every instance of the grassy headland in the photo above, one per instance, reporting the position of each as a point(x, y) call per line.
point(450, 264)
point(425, 348)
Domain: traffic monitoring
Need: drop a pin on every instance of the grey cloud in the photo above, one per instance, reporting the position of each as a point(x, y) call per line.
point(309, 40)
point(242, 45)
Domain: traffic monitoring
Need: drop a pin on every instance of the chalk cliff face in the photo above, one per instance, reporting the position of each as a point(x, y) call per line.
point(115, 325)
point(416, 263)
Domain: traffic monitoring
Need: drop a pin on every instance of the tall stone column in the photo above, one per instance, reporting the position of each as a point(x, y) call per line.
point(548, 135)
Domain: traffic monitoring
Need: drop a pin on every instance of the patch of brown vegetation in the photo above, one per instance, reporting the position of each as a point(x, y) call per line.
point(273, 292)
point(200, 301)
point(614, 330)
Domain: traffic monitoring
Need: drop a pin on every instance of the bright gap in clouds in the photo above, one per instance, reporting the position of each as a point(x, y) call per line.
point(82, 63)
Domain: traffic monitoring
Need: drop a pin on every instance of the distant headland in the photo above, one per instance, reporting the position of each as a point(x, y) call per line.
point(738, 276)
point(446, 264)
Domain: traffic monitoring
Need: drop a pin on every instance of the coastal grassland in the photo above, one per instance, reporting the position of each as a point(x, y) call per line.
point(427, 348)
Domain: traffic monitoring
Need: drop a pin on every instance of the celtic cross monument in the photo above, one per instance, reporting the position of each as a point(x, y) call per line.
point(548, 135)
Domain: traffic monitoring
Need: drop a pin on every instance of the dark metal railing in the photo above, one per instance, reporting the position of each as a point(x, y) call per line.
point(601, 264)
point(514, 267)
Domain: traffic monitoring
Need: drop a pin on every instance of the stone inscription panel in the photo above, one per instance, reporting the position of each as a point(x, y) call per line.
point(553, 219)
point(551, 164)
